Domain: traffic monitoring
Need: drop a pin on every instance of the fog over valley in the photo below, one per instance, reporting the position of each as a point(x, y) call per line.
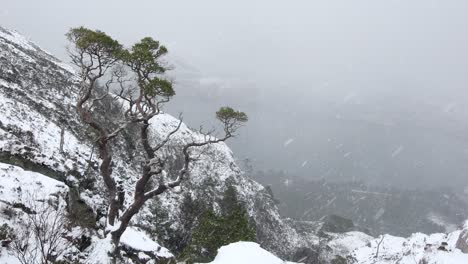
point(350, 124)
point(372, 90)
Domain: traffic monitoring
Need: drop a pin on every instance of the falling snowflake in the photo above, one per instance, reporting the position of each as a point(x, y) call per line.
point(449, 107)
point(348, 97)
point(397, 151)
point(287, 142)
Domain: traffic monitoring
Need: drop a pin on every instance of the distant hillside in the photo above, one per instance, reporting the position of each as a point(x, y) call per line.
point(380, 210)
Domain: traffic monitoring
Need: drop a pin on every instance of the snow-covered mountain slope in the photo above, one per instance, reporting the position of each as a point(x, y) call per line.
point(40, 132)
point(18, 189)
point(359, 248)
point(44, 147)
point(24, 192)
point(418, 248)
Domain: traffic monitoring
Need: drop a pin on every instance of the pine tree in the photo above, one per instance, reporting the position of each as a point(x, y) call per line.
point(141, 89)
point(216, 230)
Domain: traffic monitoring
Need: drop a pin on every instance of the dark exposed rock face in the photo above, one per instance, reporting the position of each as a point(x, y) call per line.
point(337, 224)
point(79, 212)
point(462, 242)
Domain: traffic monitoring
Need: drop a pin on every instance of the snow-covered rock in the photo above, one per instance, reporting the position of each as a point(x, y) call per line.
point(418, 248)
point(141, 242)
point(245, 253)
point(136, 243)
point(462, 242)
point(17, 184)
point(23, 193)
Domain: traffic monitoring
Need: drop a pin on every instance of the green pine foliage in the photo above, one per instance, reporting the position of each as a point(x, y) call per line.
point(191, 212)
point(216, 230)
point(144, 59)
point(94, 42)
point(6, 232)
point(231, 118)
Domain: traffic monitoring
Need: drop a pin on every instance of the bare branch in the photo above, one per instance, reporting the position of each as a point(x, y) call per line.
point(168, 136)
point(378, 246)
point(41, 238)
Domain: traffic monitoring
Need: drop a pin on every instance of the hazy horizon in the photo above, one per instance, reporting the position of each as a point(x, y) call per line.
point(337, 90)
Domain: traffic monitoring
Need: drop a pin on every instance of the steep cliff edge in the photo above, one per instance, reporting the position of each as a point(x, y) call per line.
point(45, 151)
point(40, 132)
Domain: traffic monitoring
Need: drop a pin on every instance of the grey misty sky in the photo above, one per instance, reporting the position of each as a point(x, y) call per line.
point(283, 42)
point(349, 81)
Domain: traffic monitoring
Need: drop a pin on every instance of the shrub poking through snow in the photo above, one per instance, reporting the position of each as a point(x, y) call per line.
point(216, 230)
point(41, 238)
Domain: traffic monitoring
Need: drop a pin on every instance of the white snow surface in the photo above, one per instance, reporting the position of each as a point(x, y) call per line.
point(140, 241)
point(98, 252)
point(16, 184)
point(15, 38)
point(245, 253)
point(344, 244)
point(418, 248)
